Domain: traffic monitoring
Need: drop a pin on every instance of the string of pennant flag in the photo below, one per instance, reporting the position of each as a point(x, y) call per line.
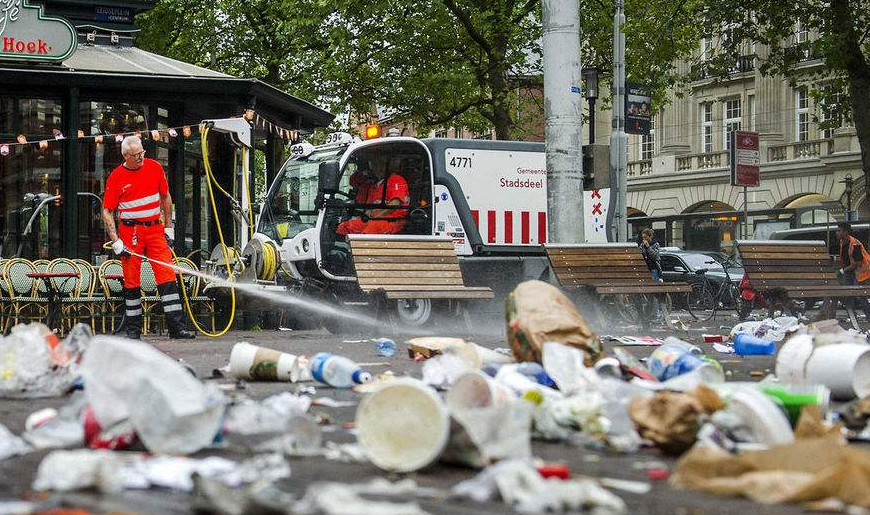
point(155, 134)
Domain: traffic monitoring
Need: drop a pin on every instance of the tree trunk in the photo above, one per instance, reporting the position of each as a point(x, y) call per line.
point(858, 72)
point(500, 91)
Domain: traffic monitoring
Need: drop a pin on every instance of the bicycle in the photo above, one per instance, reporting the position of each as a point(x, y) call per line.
point(702, 302)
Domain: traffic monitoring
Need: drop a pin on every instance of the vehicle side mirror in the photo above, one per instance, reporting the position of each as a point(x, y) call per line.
point(679, 269)
point(328, 177)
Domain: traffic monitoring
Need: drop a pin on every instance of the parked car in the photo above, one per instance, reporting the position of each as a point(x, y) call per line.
point(683, 266)
point(824, 233)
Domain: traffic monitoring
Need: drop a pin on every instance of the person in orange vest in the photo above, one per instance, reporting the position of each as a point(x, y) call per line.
point(375, 187)
point(138, 191)
point(854, 263)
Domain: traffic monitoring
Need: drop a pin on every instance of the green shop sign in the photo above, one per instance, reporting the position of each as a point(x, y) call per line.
point(27, 34)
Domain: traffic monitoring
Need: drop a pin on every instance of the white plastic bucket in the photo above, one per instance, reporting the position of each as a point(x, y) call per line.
point(475, 389)
point(252, 362)
point(403, 426)
point(842, 367)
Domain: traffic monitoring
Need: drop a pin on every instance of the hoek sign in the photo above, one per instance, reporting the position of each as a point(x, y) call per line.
point(745, 159)
point(27, 34)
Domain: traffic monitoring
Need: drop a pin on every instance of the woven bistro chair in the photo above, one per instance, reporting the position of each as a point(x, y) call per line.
point(112, 288)
point(68, 288)
point(88, 299)
point(25, 304)
point(5, 298)
point(41, 266)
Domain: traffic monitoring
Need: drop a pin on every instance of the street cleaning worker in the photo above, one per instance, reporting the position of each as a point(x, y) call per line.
point(650, 249)
point(854, 264)
point(138, 191)
point(372, 188)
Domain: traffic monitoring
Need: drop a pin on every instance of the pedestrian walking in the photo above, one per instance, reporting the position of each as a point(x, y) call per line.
point(650, 249)
point(138, 191)
point(854, 264)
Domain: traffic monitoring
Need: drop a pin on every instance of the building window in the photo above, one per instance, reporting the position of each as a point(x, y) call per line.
point(707, 128)
point(730, 120)
point(706, 49)
point(802, 114)
point(441, 133)
point(648, 142)
point(829, 115)
point(751, 101)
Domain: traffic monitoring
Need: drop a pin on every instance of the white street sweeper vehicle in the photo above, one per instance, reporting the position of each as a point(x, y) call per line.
point(489, 197)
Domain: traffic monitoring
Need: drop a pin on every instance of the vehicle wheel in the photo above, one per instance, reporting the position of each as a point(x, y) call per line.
point(413, 312)
point(700, 302)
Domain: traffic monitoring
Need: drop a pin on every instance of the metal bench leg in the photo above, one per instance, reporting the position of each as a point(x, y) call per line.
point(852, 318)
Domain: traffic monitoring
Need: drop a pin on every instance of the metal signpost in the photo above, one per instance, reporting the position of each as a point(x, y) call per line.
point(745, 168)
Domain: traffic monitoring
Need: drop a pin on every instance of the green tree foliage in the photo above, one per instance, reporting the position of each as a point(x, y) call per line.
point(823, 44)
point(461, 63)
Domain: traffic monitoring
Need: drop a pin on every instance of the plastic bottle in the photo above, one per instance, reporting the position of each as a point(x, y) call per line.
point(749, 345)
point(676, 357)
point(385, 347)
point(337, 371)
point(535, 372)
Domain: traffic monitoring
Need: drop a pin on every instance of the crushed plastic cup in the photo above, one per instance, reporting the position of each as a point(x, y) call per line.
point(676, 357)
point(259, 363)
point(385, 347)
point(474, 389)
point(842, 367)
point(749, 345)
point(403, 426)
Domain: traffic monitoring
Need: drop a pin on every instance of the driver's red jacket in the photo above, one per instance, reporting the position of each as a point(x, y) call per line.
point(373, 192)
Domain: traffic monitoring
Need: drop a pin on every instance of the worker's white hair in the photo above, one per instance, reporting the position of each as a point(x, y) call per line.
point(128, 141)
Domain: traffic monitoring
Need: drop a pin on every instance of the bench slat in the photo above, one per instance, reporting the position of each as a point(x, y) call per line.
point(805, 294)
point(405, 252)
point(405, 259)
point(397, 244)
point(653, 288)
point(787, 275)
point(376, 281)
point(449, 294)
point(786, 262)
point(786, 254)
point(557, 261)
point(424, 287)
point(760, 269)
point(406, 273)
point(591, 251)
point(603, 270)
point(447, 267)
point(605, 276)
point(782, 248)
point(776, 283)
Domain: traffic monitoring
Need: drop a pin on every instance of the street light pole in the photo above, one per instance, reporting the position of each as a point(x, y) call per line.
point(563, 111)
point(618, 137)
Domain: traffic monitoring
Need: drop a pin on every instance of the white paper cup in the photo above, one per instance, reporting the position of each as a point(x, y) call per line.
point(475, 389)
point(403, 426)
point(259, 363)
point(844, 368)
point(792, 359)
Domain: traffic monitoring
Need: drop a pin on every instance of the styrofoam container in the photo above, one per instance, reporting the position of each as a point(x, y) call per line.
point(475, 389)
point(842, 367)
point(403, 426)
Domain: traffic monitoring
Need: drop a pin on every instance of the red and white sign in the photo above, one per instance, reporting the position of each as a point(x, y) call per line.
point(506, 192)
point(745, 159)
point(595, 206)
point(28, 34)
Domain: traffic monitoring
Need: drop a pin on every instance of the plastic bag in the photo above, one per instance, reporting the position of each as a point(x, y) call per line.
point(172, 412)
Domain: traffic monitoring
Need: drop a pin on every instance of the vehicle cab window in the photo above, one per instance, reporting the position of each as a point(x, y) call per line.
point(670, 263)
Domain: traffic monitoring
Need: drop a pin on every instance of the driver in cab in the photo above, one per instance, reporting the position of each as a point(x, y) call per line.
point(375, 187)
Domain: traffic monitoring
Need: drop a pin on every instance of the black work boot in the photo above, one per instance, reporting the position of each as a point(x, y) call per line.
point(173, 310)
point(132, 313)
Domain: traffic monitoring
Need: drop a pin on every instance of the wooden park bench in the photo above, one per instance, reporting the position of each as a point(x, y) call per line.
point(608, 269)
point(792, 270)
point(410, 267)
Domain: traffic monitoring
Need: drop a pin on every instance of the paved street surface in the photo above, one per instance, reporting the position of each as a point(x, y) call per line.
point(205, 355)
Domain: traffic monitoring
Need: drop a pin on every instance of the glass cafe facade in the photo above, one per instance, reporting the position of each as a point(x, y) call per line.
point(105, 87)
